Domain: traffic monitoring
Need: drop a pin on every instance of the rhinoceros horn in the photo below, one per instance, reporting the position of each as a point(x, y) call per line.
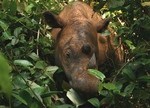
point(92, 62)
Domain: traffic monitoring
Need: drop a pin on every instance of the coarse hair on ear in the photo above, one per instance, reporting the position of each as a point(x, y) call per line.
point(103, 24)
point(53, 20)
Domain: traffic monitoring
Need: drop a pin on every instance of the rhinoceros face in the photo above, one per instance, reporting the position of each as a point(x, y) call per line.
point(76, 49)
point(76, 52)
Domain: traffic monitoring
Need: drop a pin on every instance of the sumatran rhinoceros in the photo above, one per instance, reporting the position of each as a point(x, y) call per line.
point(79, 44)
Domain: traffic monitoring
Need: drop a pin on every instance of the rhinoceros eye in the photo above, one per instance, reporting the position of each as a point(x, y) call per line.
point(86, 49)
point(67, 54)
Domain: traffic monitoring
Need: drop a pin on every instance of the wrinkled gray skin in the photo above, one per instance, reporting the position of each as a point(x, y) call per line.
point(79, 44)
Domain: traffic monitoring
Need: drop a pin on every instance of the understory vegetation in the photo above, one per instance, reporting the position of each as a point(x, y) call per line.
point(29, 77)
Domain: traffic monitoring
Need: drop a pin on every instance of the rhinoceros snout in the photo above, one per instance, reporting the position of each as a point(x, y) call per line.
point(84, 82)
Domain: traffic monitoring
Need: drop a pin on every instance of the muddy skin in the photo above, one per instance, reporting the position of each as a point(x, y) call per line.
point(79, 45)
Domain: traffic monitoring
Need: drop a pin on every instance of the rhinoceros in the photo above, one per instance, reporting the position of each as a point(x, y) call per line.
point(79, 44)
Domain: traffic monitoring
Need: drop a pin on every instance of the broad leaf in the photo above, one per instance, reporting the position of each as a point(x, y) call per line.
point(51, 69)
point(97, 74)
point(129, 88)
point(18, 82)
point(19, 98)
point(109, 86)
point(129, 73)
point(106, 33)
point(5, 83)
point(3, 25)
point(40, 64)
point(34, 56)
point(13, 7)
point(5, 4)
point(63, 106)
point(130, 44)
point(144, 78)
point(104, 92)
point(100, 87)
point(95, 102)
point(24, 63)
point(115, 3)
point(75, 98)
point(145, 4)
point(17, 31)
point(50, 93)
point(26, 96)
point(6, 35)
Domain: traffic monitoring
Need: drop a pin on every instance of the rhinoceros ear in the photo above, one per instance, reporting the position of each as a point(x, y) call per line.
point(103, 24)
point(53, 20)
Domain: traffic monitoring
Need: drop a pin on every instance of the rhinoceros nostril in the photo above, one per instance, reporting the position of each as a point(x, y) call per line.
point(86, 48)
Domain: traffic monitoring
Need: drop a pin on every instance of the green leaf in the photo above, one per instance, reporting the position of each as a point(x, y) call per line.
point(33, 84)
point(100, 87)
point(50, 93)
point(14, 41)
point(130, 44)
point(3, 106)
point(18, 82)
point(129, 73)
point(13, 7)
point(40, 64)
point(29, 8)
point(34, 56)
point(145, 4)
point(3, 25)
point(7, 35)
point(129, 88)
point(109, 86)
point(51, 69)
point(141, 94)
point(38, 90)
point(75, 98)
point(134, 66)
point(19, 98)
point(24, 63)
point(64, 106)
point(95, 102)
point(104, 92)
point(106, 33)
point(5, 83)
point(21, 6)
point(26, 96)
point(115, 3)
point(105, 100)
point(97, 74)
point(5, 4)
point(35, 105)
point(118, 86)
point(17, 31)
point(148, 84)
point(144, 78)
point(145, 61)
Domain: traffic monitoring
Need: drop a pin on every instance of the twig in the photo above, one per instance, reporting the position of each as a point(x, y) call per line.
point(15, 68)
point(121, 69)
point(146, 42)
point(38, 36)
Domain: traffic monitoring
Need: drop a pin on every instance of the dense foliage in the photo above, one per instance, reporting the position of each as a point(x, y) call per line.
point(29, 77)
